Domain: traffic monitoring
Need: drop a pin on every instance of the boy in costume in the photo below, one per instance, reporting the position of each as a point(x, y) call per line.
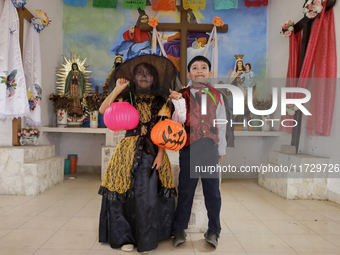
point(205, 146)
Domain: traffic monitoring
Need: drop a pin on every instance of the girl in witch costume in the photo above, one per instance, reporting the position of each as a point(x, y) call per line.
point(138, 190)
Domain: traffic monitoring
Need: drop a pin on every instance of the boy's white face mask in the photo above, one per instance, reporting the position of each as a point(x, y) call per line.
point(199, 73)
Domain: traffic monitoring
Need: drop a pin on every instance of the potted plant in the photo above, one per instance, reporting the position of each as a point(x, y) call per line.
point(61, 105)
point(92, 103)
point(264, 104)
point(29, 135)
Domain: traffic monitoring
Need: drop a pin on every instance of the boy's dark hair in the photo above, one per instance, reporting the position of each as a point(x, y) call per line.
point(248, 64)
point(199, 58)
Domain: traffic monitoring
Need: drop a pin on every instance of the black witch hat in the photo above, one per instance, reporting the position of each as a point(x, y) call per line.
point(165, 75)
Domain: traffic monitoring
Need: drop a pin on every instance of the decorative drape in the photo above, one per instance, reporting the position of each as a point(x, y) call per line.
point(164, 5)
point(134, 4)
point(321, 51)
point(105, 3)
point(76, 2)
point(194, 4)
point(293, 72)
point(32, 68)
point(225, 4)
point(13, 96)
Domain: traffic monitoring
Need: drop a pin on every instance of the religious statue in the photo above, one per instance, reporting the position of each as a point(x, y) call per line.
point(74, 86)
point(249, 79)
point(73, 80)
point(239, 69)
point(118, 60)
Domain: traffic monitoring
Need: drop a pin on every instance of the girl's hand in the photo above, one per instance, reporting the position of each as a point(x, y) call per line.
point(174, 94)
point(158, 162)
point(121, 84)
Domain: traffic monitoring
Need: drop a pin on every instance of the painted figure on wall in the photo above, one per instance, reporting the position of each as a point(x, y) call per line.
point(136, 41)
point(75, 87)
point(194, 39)
point(118, 61)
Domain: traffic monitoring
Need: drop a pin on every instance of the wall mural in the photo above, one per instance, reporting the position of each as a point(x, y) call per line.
point(102, 33)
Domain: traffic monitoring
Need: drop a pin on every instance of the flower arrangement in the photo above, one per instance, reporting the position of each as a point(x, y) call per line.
point(63, 101)
point(287, 28)
point(153, 22)
point(29, 132)
point(263, 104)
point(312, 8)
point(217, 21)
point(92, 102)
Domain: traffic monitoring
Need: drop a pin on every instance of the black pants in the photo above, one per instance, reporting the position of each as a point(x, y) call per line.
point(200, 153)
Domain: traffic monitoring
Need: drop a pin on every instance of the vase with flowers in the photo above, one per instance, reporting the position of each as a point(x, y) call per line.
point(61, 105)
point(92, 103)
point(29, 136)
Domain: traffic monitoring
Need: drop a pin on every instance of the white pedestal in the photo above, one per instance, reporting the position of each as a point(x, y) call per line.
point(29, 170)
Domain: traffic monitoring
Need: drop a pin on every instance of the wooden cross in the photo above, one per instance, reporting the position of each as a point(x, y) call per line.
point(184, 27)
point(305, 25)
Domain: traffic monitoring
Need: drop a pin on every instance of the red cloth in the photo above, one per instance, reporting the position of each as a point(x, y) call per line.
point(321, 51)
point(292, 73)
point(138, 36)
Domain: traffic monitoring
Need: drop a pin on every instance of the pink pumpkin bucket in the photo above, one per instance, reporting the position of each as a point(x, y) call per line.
point(121, 116)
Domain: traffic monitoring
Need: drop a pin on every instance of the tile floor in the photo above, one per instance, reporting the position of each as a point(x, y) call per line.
point(64, 221)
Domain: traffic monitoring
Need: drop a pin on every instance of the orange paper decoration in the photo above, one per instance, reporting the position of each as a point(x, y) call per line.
point(164, 5)
point(153, 22)
point(218, 22)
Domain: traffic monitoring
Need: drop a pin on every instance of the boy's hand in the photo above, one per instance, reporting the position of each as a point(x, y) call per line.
point(220, 159)
point(174, 94)
point(121, 84)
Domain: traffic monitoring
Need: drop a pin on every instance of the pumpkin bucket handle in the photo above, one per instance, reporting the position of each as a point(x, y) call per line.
point(114, 91)
point(179, 110)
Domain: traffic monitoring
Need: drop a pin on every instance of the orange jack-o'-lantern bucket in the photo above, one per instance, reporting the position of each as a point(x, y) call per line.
point(169, 134)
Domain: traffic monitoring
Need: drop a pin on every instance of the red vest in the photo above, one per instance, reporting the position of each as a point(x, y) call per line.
point(198, 125)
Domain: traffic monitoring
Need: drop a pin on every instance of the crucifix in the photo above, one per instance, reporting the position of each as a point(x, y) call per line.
point(184, 27)
point(305, 24)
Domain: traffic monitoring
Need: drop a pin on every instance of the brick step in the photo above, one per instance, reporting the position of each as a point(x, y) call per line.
point(27, 154)
point(32, 178)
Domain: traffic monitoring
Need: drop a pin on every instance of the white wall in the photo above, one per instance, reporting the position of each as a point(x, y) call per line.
point(277, 62)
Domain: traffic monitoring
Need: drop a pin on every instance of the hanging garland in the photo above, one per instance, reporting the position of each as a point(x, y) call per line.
point(256, 3)
point(105, 3)
point(134, 4)
point(164, 5)
point(225, 4)
point(194, 4)
point(76, 2)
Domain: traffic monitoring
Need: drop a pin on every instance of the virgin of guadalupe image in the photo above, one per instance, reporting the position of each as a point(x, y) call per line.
point(74, 78)
point(136, 41)
point(194, 39)
point(75, 87)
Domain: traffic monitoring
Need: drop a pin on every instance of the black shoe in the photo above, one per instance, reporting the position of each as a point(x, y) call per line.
point(212, 238)
point(179, 237)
